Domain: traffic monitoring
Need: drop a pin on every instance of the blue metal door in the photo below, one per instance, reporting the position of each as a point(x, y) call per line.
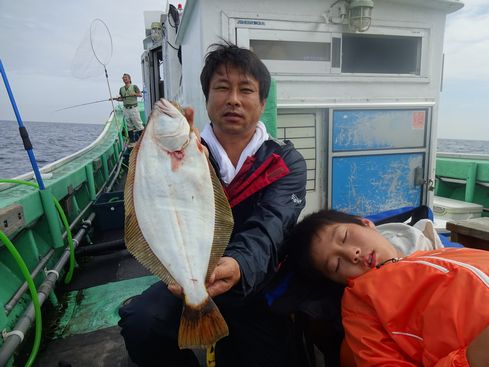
point(377, 159)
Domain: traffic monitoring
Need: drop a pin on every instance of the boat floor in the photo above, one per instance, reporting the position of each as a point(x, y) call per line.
point(81, 330)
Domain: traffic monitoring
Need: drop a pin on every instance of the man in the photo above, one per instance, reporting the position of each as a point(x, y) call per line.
point(128, 94)
point(264, 180)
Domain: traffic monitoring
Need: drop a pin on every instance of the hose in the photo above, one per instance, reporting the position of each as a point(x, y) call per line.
point(35, 299)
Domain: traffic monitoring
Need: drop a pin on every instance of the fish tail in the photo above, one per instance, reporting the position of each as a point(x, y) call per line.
point(201, 326)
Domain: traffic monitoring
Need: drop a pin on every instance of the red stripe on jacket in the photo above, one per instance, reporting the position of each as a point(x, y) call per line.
point(242, 187)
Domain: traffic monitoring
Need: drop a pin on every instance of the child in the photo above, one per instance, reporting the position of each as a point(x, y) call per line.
point(429, 308)
point(336, 237)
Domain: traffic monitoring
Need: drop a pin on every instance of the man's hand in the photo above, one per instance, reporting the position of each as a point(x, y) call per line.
point(224, 277)
point(176, 290)
point(478, 350)
point(188, 113)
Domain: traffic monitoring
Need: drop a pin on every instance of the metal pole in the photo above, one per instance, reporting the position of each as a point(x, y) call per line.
point(22, 130)
point(9, 306)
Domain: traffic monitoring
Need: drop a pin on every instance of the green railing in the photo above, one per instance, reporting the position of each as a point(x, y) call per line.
point(30, 220)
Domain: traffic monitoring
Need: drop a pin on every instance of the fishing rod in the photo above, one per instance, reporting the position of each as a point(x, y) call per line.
point(22, 130)
point(88, 103)
point(82, 104)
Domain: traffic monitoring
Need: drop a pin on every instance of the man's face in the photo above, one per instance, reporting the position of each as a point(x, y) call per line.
point(125, 79)
point(234, 105)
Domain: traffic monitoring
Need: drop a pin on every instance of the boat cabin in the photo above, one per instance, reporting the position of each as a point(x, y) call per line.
point(357, 87)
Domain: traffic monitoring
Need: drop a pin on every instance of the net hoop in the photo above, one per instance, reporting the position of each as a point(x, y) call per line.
point(92, 40)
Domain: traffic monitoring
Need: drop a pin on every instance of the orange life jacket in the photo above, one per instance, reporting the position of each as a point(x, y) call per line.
point(420, 311)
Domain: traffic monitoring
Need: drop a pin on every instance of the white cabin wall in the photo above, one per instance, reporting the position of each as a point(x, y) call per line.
point(171, 76)
point(193, 51)
point(316, 94)
point(437, 72)
point(206, 27)
point(207, 20)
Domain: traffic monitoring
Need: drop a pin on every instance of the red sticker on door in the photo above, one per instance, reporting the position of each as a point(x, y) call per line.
point(418, 119)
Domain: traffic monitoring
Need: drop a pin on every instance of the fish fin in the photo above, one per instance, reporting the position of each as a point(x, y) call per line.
point(178, 107)
point(223, 222)
point(201, 326)
point(133, 237)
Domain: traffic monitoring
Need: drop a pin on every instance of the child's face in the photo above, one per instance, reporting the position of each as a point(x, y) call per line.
point(347, 250)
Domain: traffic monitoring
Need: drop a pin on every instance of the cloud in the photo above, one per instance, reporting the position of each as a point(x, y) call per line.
point(39, 40)
point(467, 42)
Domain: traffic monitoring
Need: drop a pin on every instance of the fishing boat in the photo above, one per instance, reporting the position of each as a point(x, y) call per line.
point(355, 88)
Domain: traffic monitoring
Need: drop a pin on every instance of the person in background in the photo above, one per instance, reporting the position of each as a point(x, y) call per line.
point(265, 182)
point(128, 95)
point(399, 308)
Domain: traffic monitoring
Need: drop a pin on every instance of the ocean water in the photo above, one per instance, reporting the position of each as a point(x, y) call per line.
point(52, 141)
point(463, 146)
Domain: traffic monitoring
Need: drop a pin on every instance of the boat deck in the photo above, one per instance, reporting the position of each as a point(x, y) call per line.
point(82, 329)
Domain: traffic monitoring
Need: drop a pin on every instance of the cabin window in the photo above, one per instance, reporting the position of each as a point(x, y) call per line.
point(381, 54)
point(305, 49)
point(291, 50)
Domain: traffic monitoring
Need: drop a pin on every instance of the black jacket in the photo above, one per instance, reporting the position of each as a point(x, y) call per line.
point(262, 219)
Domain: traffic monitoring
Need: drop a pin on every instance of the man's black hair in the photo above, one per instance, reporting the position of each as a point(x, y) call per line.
point(299, 240)
point(246, 61)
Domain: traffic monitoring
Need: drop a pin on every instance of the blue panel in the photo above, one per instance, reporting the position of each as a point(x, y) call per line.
point(370, 184)
point(378, 129)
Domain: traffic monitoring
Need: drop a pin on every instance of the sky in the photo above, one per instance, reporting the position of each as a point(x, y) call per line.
point(39, 40)
point(463, 112)
point(38, 44)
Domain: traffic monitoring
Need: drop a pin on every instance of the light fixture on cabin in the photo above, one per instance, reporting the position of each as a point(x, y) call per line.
point(360, 15)
point(357, 14)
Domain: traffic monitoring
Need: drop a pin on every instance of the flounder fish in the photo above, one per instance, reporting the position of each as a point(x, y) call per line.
point(177, 218)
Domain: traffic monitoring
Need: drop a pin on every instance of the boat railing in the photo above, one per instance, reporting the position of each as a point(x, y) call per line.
point(24, 314)
point(60, 162)
point(463, 176)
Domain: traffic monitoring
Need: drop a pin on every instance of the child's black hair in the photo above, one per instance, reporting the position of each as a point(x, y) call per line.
point(299, 240)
